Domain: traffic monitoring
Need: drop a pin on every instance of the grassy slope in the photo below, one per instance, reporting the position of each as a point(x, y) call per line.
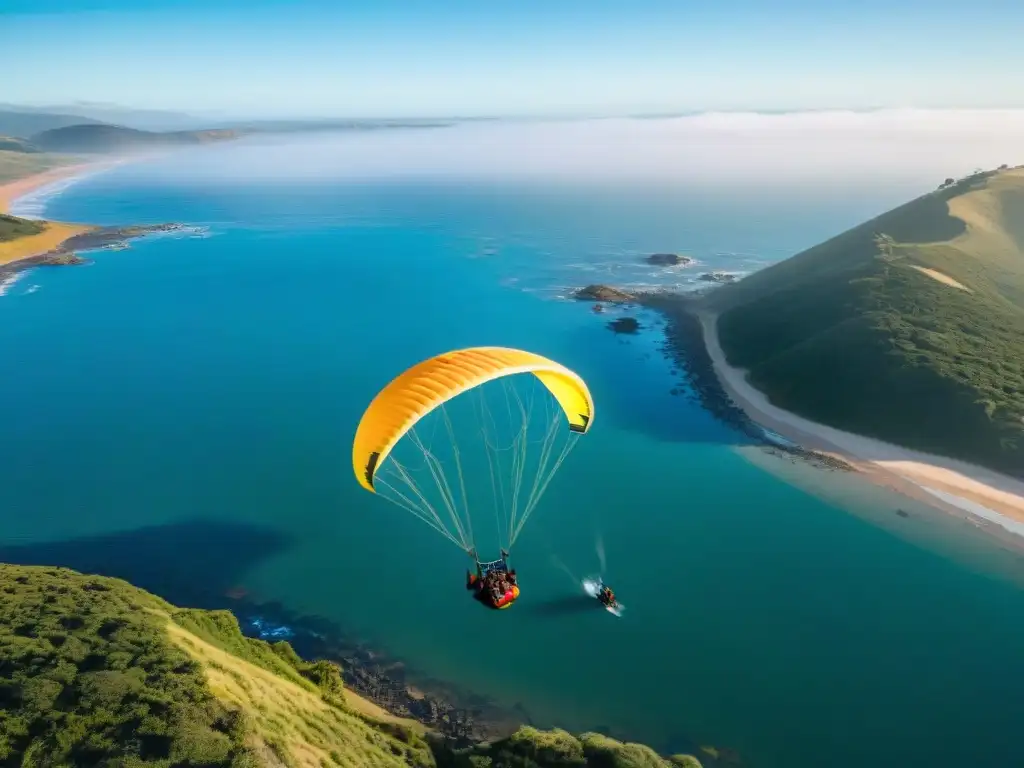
point(94, 671)
point(853, 334)
point(11, 228)
point(18, 165)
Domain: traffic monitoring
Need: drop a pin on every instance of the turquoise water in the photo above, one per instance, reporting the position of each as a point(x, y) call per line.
point(220, 380)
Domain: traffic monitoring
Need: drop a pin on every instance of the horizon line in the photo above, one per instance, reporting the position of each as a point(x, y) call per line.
point(68, 109)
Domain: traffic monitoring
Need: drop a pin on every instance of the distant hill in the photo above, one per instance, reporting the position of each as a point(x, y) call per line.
point(340, 124)
point(11, 144)
point(908, 328)
point(99, 672)
point(24, 124)
point(112, 114)
point(100, 138)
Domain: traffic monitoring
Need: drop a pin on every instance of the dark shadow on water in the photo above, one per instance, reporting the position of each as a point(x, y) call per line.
point(568, 605)
point(186, 563)
point(203, 563)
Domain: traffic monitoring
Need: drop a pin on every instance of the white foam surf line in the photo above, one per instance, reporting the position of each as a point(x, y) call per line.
point(7, 282)
point(32, 205)
point(978, 510)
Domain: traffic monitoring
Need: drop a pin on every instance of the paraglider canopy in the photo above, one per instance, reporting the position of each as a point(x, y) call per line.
point(477, 422)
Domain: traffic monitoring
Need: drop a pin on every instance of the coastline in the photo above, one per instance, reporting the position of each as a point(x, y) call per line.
point(57, 243)
point(12, 190)
point(32, 250)
point(946, 483)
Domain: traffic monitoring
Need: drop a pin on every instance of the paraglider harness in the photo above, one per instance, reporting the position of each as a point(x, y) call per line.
point(486, 573)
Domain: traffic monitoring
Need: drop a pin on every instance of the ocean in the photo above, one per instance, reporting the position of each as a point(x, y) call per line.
point(182, 413)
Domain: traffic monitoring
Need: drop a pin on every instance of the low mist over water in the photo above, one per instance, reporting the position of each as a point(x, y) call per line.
point(904, 147)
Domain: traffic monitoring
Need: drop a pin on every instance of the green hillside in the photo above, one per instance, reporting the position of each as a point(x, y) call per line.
point(100, 138)
point(909, 327)
point(11, 227)
point(94, 671)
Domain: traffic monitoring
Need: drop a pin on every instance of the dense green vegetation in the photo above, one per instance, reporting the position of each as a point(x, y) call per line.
point(94, 671)
point(18, 164)
point(100, 138)
point(11, 227)
point(87, 677)
point(856, 334)
point(220, 629)
point(531, 748)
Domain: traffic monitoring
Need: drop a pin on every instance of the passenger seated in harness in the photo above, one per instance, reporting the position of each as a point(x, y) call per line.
point(493, 584)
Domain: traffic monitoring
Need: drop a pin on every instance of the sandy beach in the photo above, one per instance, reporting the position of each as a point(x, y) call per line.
point(946, 481)
point(12, 190)
point(55, 233)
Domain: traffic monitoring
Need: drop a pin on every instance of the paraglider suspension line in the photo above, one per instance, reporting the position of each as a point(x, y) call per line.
point(512, 506)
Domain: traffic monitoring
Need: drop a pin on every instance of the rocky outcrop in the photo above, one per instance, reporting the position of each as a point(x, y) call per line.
point(668, 260)
point(719, 277)
point(66, 253)
point(606, 293)
point(60, 259)
point(628, 325)
point(104, 236)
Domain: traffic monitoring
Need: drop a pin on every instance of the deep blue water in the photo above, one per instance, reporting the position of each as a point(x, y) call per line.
point(220, 380)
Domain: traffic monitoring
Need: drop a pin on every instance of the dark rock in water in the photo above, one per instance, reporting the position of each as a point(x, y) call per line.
point(718, 277)
point(60, 259)
point(604, 293)
point(625, 325)
point(104, 236)
point(598, 308)
point(93, 239)
point(668, 260)
point(902, 513)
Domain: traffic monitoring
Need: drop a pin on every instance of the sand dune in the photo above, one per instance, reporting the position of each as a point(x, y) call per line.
point(943, 278)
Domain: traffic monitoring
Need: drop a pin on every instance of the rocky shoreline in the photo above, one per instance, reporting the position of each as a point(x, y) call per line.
point(459, 715)
point(66, 254)
point(684, 345)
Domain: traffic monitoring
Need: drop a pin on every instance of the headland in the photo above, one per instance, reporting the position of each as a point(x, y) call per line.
point(894, 348)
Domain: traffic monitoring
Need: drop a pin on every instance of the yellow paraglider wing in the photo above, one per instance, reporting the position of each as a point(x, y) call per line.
point(419, 390)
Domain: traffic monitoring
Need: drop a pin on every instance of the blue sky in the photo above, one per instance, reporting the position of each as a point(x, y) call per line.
point(522, 57)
